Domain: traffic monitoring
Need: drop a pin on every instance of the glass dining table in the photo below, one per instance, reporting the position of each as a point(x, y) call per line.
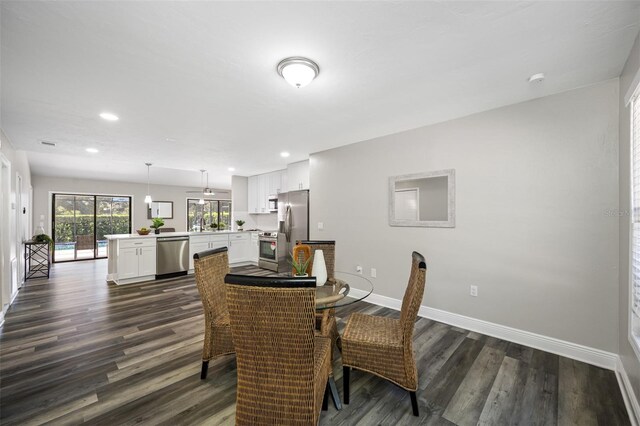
point(343, 289)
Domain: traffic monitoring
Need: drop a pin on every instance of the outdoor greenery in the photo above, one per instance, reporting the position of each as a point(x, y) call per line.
point(74, 215)
point(211, 212)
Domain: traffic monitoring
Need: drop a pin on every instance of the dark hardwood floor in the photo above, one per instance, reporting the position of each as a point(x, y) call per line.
point(74, 349)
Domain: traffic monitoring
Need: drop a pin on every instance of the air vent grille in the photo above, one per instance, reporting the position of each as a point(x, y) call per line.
point(48, 143)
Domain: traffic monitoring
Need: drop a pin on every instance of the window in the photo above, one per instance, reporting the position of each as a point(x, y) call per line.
point(80, 222)
point(634, 328)
point(216, 212)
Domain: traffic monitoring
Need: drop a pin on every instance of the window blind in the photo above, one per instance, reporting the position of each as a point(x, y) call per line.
point(635, 204)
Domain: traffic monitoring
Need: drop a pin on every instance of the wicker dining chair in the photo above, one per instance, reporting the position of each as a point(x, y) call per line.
point(325, 320)
point(384, 346)
point(283, 368)
point(210, 268)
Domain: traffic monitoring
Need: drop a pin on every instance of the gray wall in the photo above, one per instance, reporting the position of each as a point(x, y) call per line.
point(533, 183)
point(44, 185)
point(627, 355)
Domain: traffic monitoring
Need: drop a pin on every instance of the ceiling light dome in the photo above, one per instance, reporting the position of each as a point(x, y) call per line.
point(298, 71)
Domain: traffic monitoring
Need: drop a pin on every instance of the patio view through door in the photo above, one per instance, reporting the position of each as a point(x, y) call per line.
point(80, 222)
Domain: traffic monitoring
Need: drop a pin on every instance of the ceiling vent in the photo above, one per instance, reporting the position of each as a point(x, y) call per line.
point(47, 143)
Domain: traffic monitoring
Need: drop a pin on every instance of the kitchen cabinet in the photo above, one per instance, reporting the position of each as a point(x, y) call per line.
point(298, 176)
point(136, 260)
point(239, 248)
point(254, 249)
point(261, 187)
point(198, 243)
point(238, 244)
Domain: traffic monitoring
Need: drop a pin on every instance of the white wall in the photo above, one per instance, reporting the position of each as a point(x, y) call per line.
point(239, 204)
point(534, 182)
point(45, 185)
point(627, 355)
point(13, 252)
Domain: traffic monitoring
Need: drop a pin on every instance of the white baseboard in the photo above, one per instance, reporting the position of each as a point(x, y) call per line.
point(586, 354)
point(629, 396)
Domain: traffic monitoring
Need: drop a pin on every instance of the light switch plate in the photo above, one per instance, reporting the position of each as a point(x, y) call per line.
point(320, 226)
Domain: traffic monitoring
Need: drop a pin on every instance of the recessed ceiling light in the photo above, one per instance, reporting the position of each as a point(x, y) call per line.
point(92, 150)
point(109, 117)
point(232, 169)
point(284, 154)
point(536, 78)
point(298, 71)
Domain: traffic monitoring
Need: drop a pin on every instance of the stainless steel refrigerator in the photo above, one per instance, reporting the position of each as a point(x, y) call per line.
point(293, 221)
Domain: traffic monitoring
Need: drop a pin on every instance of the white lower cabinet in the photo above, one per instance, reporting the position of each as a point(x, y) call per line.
point(237, 243)
point(254, 248)
point(136, 260)
point(239, 248)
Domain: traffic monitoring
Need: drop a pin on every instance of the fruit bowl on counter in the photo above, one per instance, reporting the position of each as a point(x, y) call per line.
point(143, 231)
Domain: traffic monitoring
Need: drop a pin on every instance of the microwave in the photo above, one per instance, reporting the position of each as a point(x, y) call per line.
point(272, 203)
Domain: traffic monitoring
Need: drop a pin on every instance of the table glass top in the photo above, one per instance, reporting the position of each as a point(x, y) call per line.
point(344, 289)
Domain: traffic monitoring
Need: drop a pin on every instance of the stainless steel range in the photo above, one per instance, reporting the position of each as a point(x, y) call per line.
point(272, 251)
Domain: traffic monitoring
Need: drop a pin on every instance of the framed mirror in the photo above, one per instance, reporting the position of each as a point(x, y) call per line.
point(161, 209)
point(423, 199)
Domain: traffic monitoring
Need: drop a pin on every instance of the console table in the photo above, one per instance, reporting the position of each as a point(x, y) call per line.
point(37, 263)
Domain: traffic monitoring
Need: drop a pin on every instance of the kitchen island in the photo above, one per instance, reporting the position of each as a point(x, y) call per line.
point(132, 258)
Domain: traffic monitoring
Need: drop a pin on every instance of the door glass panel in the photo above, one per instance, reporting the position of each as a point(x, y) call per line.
point(80, 223)
point(112, 217)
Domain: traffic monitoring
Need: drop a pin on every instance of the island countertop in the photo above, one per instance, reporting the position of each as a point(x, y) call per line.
point(172, 234)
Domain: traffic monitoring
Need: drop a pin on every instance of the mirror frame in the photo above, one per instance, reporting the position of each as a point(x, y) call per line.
point(451, 200)
point(149, 215)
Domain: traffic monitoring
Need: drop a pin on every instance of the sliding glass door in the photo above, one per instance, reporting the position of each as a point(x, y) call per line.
point(80, 222)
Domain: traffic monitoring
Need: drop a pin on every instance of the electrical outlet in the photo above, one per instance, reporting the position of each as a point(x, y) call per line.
point(473, 290)
point(359, 269)
point(320, 226)
point(373, 272)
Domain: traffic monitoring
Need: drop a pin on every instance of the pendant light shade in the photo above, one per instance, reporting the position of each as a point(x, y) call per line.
point(298, 71)
point(147, 199)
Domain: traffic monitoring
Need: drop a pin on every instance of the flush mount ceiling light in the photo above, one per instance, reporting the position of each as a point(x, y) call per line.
point(108, 116)
point(536, 78)
point(298, 71)
point(147, 199)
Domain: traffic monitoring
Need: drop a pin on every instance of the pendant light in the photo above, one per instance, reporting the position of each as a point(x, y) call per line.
point(201, 200)
point(147, 199)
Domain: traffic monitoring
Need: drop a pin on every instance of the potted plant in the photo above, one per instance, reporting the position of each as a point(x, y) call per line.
point(220, 226)
point(157, 224)
point(299, 267)
point(43, 238)
point(240, 222)
point(213, 226)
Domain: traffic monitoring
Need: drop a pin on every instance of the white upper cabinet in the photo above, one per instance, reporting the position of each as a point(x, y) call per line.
point(298, 176)
point(261, 187)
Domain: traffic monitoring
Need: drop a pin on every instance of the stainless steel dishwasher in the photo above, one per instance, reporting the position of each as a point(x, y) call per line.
point(172, 257)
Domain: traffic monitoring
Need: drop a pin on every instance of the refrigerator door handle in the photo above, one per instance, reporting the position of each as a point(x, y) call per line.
point(287, 223)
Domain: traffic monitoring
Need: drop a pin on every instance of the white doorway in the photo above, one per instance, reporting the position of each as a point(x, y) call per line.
point(5, 233)
point(21, 228)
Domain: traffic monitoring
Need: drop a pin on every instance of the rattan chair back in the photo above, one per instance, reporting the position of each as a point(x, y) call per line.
point(272, 323)
point(211, 266)
point(410, 306)
point(328, 248)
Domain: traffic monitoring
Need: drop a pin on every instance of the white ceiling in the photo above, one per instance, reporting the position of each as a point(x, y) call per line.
point(195, 83)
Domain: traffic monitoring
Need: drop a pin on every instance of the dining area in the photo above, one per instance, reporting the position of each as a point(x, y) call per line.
point(283, 331)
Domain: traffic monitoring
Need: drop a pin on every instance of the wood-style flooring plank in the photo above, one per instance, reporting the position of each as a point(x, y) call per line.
point(74, 349)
